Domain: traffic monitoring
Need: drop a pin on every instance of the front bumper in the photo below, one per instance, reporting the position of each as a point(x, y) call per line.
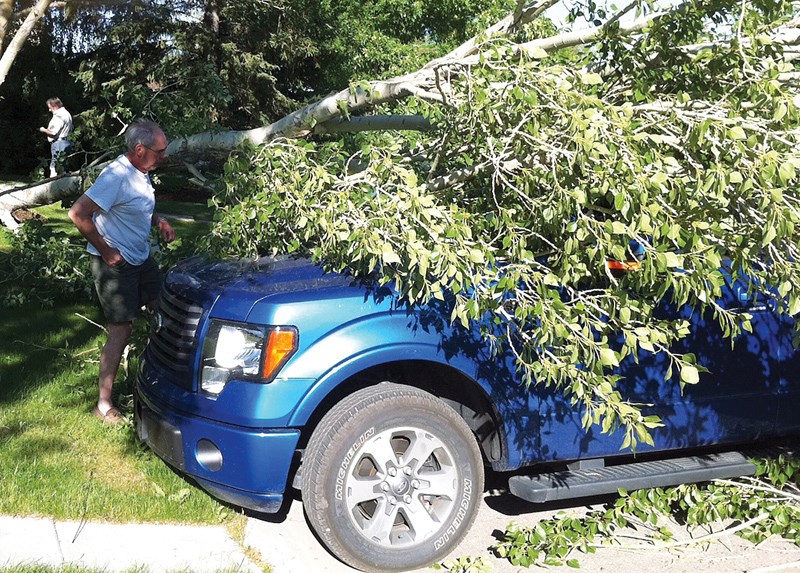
point(251, 468)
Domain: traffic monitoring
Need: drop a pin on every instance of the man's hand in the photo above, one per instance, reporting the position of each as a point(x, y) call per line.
point(81, 214)
point(166, 230)
point(113, 257)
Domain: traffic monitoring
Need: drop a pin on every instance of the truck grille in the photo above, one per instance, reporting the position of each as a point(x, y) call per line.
point(172, 336)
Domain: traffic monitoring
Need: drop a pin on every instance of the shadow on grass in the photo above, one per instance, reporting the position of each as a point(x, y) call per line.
point(39, 345)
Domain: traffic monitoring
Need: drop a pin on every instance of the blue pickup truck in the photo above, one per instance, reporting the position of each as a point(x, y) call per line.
point(269, 374)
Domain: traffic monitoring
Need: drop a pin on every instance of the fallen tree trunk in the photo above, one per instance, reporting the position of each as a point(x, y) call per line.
point(37, 195)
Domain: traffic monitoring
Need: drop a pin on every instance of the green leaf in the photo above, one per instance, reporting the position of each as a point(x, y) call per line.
point(476, 256)
point(618, 227)
point(769, 235)
point(608, 357)
point(689, 374)
point(787, 172)
point(550, 279)
point(389, 256)
point(672, 260)
point(605, 388)
point(780, 111)
point(536, 52)
point(737, 133)
point(591, 79)
point(659, 178)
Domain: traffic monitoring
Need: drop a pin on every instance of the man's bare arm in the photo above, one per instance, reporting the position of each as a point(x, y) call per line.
point(81, 214)
point(164, 228)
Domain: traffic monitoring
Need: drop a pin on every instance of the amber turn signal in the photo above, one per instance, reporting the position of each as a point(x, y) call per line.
point(624, 265)
point(281, 344)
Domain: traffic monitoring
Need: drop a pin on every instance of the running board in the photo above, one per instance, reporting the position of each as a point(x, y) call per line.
point(638, 475)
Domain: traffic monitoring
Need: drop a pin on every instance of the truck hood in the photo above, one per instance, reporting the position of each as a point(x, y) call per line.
point(234, 286)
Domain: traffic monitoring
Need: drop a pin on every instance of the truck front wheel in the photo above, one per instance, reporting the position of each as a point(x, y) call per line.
point(392, 479)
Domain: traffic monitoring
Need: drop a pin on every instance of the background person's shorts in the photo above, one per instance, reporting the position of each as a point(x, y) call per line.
point(124, 288)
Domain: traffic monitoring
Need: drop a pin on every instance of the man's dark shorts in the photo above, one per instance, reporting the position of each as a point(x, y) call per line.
point(124, 288)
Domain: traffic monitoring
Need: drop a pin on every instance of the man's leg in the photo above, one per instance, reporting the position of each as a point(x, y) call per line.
point(110, 357)
point(119, 289)
point(53, 158)
point(58, 150)
point(150, 282)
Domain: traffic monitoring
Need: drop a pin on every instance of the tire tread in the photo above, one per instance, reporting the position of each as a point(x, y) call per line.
point(317, 464)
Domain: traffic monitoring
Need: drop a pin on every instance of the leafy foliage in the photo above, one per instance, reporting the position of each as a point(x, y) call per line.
point(142, 68)
point(464, 565)
point(44, 265)
point(766, 505)
point(47, 263)
point(198, 65)
point(537, 176)
point(390, 37)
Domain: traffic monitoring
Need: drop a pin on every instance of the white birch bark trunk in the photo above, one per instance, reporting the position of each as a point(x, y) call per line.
point(44, 193)
point(19, 39)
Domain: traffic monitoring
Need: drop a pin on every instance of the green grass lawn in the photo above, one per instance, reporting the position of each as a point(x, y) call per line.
point(56, 459)
point(5, 237)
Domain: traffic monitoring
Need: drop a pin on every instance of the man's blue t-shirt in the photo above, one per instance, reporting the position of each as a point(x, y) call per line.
point(125, 197)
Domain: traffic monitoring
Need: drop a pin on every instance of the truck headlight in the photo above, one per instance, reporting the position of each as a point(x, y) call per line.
point(243, 351)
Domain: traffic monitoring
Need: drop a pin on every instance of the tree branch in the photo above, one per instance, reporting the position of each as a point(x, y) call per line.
point(298, 123)
point(456, 176)
point(45, 193)
point(571, 39)
point(786, 35)
point(503, 27)
point(374, 123)
point(77, 4)
point(6, 14)
point(32, 16)
point(19, 39)
point(354, 100)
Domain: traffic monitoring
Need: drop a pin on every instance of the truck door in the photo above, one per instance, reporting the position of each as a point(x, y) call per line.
point(737, 400)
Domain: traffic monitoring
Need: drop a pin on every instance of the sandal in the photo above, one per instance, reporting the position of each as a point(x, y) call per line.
point(113, 416)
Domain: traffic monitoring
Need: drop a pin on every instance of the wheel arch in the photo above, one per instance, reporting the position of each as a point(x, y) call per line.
point(451, 385)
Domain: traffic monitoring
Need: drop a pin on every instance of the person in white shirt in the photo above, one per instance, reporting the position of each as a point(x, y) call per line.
point(57, 132)
point(115, 215)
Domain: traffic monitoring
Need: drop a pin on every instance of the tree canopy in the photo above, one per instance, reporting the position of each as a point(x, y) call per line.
point(197, 65)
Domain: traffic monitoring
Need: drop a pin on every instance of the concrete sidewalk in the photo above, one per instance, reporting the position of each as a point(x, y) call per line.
point(285, 543)
point(113, 547)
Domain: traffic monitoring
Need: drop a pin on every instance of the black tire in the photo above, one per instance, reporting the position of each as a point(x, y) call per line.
point(380, 508)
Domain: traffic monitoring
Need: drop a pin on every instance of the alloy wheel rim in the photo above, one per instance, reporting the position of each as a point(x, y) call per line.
point(401, 486)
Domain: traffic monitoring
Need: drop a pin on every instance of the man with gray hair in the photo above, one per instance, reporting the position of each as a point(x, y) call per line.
point(116, 215)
